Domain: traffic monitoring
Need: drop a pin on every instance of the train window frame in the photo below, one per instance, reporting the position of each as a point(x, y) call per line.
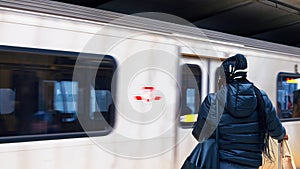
point(289, 111)
point(34, 52)
point(187, 120)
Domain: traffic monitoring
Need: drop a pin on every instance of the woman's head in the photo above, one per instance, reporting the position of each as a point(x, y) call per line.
point(235, 67)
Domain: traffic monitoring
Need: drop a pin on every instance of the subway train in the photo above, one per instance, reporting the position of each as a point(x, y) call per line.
point(84, 88)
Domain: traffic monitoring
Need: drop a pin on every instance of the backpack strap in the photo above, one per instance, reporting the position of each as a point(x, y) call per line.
point(260, 107)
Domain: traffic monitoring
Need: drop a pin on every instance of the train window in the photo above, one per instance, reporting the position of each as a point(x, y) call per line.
point(41, 96)
point(190, 94)
point(288, 95)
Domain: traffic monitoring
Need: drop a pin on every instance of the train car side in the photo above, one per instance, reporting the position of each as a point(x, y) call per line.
point(78, 93)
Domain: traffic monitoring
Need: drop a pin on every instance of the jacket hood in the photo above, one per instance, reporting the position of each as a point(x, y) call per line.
point(241, 99)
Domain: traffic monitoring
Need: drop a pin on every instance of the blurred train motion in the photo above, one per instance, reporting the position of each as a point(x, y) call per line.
point(87, 89)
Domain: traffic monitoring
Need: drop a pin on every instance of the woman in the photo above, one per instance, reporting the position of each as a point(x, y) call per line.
point(243, 130)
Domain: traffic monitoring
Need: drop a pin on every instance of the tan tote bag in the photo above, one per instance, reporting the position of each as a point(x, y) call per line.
point(286, 156)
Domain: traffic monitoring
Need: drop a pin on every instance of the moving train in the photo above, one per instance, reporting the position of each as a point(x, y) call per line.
point(83, 88)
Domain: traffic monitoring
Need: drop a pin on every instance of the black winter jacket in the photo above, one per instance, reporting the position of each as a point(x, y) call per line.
point(240, 138)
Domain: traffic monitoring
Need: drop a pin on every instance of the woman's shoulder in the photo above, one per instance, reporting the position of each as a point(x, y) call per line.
point(265, 95)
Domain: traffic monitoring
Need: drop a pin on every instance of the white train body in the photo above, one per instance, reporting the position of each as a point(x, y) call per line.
point(146, 90)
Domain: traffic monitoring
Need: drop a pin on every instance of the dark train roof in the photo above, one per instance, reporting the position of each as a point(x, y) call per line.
point(270, 20)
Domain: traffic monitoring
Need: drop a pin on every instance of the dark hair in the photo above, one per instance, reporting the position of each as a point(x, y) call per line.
point(266, 149)
point(232, 64)
point(220, 78)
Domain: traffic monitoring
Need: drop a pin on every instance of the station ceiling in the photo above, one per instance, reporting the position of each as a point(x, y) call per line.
point(275, 21)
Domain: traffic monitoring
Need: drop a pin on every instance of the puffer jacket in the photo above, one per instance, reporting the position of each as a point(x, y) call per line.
point(240, 138)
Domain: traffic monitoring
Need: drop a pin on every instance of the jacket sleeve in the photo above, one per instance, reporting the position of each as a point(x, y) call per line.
point(275, 127)
point(202, 114)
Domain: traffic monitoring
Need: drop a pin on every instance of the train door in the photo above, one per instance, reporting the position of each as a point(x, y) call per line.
point(146, 102)
point(197, 80)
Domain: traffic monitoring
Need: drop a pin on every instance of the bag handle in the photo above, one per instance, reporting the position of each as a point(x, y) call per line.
point(281, 153)
point(285, 142)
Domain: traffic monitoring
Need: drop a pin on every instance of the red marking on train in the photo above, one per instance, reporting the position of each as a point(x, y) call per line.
point(138, 97)
point(147, 90)
point(157, 98)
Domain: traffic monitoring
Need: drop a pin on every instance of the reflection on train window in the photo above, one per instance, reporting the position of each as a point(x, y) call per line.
point(190, 94)
point(101, 100)
point(7, 101)
point(65, 98)
point(43, 95)
point(288, 95)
